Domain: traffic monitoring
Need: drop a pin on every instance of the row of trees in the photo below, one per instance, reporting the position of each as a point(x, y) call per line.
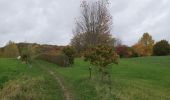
point(10, 50)
point(94, 28)
point(63, 56)
point(144, 47)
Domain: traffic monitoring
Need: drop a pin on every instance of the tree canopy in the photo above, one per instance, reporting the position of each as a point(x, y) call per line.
point(161, 48)
point(144, 47)
point(93, 27)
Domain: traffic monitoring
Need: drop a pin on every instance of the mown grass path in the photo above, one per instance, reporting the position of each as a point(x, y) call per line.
point(64, 89)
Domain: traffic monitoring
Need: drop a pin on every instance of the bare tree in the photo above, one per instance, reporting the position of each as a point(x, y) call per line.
point(94, 26)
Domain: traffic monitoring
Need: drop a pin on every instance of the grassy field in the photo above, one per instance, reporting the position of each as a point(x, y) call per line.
point(146, 78)
point(20, 82)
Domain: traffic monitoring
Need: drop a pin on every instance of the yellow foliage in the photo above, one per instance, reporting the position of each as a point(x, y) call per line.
point(145, 45)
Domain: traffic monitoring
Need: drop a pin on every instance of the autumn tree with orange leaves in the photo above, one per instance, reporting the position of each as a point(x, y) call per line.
point(144, 47)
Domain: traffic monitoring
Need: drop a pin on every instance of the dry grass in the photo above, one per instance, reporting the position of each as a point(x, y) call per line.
point(22, 89)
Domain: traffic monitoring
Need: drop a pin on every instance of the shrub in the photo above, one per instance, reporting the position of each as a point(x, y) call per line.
point(101, 56)
point(122, 51)
point(126, 52)
point(161, 48)
point(26, 53)
point(70, 53)
point(132, 52)
point(59, 59)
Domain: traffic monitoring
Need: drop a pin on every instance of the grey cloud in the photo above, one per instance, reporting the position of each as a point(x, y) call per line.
point(39, 21)
point(52, 21)
point(142, 16)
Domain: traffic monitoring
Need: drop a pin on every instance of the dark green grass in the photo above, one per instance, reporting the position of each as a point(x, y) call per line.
point(20, 82)
point(146, 78)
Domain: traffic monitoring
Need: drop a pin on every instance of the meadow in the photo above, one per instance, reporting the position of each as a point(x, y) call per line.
point(19, 81)
point(143, 78)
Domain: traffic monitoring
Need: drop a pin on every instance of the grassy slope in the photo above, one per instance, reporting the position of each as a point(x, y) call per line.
point(75, 79)
point(133, 79)
point(142, 79)
point(19, 82)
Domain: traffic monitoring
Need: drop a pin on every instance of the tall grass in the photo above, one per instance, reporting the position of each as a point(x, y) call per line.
point(24, 88)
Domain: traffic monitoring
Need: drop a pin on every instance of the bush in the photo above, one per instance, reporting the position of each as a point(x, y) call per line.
point(59, 59)
point(161, 48)
point(70, 53)
point(122, 51)
point(126, 52)
point(26, 53)
point(132, 52)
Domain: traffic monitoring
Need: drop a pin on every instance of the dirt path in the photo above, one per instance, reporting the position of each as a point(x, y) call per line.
point(65, 91)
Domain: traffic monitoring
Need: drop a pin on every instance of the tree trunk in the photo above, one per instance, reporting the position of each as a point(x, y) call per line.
point(90, 71)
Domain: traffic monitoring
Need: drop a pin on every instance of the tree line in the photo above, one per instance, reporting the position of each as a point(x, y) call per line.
point(27, 52)
point(146, 46)
point(93, 41)
point(94, 28)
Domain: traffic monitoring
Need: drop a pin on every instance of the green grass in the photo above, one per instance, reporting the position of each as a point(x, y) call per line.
point(142, 79)
point(75, 79)
point(145, 78)
point(20, 82)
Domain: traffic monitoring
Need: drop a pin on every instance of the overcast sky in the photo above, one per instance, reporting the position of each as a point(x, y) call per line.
point(52, 21)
